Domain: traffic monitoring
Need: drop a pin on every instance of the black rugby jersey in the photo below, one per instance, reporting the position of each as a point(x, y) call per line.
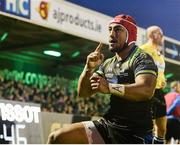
point(125, 114)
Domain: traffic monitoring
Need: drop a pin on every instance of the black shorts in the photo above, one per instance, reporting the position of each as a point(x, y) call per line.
point(173, 129)
point(158, 104)
point(114, 135)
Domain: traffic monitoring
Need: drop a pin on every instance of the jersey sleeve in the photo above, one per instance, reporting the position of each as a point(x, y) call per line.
point(101, 70)
point(144, 64)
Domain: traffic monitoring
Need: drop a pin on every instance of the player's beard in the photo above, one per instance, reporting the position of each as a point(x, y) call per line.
point(119, 49)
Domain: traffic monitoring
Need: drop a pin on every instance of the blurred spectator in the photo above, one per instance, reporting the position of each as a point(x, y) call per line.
point(173, 112)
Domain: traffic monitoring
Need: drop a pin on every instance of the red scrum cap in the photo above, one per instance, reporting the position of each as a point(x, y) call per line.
point(129, 24)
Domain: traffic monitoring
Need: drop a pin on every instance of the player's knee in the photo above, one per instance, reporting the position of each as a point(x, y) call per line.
point(51, 138)
point(54, 137)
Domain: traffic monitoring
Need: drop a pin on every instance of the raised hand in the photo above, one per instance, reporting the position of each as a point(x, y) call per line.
point(95, 58)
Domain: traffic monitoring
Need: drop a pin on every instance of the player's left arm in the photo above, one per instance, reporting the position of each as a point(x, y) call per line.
point(145, 72)
point(142, 89)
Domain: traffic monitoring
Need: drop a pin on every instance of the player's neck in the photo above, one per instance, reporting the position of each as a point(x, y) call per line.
point(122, 55)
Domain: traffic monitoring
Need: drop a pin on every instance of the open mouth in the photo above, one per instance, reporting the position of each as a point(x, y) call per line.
point(112, 43)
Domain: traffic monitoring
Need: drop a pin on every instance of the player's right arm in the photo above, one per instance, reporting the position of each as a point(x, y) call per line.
point(94, 59)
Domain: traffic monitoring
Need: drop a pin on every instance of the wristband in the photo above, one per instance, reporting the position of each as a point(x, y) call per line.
point(117, 89)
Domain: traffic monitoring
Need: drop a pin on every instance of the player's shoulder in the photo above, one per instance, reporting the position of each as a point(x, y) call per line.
point(108, 61)
point(139, 55)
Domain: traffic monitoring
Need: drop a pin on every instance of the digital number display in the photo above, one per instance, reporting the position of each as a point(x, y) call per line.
point(17, 117)
point(14, 137)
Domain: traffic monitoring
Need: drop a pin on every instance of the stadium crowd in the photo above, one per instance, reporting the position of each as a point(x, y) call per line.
point(53, 98)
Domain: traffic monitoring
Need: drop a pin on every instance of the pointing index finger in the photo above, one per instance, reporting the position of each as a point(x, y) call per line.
point(98, 48)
